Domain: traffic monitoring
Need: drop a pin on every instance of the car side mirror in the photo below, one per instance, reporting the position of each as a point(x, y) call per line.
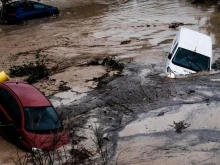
point(169, 56)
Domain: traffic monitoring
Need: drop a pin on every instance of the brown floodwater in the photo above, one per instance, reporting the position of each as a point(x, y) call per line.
point(96, 28)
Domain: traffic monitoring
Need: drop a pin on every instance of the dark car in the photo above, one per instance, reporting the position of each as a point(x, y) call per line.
point(18, 11)
point(28, 119)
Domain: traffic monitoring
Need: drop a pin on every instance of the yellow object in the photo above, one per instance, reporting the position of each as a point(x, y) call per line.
point(3, 77)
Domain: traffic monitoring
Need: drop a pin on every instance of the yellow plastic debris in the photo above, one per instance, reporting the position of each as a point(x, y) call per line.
point(3, 77)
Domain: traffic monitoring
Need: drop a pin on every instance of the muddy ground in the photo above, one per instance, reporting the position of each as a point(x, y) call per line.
point(137, 107)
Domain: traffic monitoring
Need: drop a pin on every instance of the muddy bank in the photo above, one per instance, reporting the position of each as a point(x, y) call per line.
point(138, 90)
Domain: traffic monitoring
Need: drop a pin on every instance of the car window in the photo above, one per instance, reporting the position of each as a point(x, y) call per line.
point(14, 111)
point(27, 7)
point(4, 98)
point(38, 6)
point(10, 105)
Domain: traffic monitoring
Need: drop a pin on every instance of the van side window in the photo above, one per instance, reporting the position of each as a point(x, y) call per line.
point(174, 49)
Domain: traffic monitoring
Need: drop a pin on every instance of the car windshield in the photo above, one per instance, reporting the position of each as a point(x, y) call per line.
point(41, 119)
point(191, 60)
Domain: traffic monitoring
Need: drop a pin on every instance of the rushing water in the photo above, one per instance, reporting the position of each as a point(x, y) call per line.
point(124, 19)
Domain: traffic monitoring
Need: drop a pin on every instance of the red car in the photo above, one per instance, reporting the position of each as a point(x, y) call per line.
point(28, 119)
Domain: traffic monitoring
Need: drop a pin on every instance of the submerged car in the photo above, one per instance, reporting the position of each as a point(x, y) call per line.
point(18, 11)
point(191, 52)
point(28, 119)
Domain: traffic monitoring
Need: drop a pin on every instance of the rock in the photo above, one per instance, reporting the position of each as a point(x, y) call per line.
point(180, 93)
point(93, 62)
point(180, 126)
point(125, 42)
point(175, 24)
point(105, 137)
point(161, 114)
point(216, 64)
point(191, 91)
point(197, 1)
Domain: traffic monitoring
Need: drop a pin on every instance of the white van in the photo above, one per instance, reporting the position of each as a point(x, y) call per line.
point(190, 52)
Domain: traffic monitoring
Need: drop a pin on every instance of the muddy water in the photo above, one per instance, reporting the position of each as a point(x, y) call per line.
point(95, 29)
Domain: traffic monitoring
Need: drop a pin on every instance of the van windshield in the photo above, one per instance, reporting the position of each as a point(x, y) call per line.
point(41, 119)
point(191, 60)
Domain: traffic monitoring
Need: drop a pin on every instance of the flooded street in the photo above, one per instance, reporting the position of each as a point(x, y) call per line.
point(96, 29)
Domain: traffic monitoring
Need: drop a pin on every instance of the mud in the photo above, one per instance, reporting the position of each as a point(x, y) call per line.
point(137, 32)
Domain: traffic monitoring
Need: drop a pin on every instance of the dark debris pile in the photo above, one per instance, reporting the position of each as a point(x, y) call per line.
point(34, 70)
point(175, 24)
point(110, 62)
point(180, 126)
point(216, 64)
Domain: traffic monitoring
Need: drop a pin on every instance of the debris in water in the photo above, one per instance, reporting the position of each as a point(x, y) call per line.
point(180, 126)
point(113, 63)
point(161, 114)
point(81, 154)
point(93, 62)
point(110, 62)
point(191, 91)
point(197, 1)
point(35, 71)
point(216, 64)
point(64, 87)
point(125, 42)
point(175, 24)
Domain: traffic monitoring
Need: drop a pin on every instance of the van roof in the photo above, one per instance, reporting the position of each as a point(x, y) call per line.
point(195, 41)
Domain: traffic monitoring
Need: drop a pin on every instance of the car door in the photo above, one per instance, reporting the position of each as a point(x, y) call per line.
point(41, 10)
point(28, 11)
point(4, 121)
point(10, 115)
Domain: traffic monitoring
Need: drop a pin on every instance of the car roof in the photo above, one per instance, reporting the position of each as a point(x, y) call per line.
point(195, 41)
point(27, 94)
point(19, 3)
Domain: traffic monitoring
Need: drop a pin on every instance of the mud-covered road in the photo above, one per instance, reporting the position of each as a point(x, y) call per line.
point(137, 107)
